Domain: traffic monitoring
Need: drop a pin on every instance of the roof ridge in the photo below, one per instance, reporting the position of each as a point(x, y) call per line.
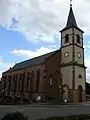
point(37, 56)
point(34, 61)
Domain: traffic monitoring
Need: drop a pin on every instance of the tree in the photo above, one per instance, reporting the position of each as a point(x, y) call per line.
point(87, 88)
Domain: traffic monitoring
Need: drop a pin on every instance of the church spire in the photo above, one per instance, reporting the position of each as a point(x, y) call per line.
point(71, 19)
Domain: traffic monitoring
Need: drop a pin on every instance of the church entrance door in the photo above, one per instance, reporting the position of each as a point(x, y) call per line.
point(79, 93)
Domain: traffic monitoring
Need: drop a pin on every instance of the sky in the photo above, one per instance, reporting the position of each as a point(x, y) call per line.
point(29, 28)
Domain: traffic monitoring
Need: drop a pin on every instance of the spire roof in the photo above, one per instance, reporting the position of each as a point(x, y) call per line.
point(71, 22)
point(71, 19)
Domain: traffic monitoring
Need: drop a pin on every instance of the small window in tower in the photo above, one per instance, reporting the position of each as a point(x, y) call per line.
point(80, 76)
point(66, 38)
point(78, 39)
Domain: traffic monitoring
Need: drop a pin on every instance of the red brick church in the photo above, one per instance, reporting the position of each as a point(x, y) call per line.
point(56, 76)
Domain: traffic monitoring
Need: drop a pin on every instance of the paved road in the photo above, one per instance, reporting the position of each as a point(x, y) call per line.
point(41, 111)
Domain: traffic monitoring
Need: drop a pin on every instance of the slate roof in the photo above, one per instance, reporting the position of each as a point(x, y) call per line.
point(32, 62)
point(71, 19)
point(71, 22)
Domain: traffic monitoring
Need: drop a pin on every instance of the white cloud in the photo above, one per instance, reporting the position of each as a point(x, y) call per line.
point(38, 20)
point(31, 54)
point(4, 65)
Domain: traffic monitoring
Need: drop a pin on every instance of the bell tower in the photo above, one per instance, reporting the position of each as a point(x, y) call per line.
point(72, 59)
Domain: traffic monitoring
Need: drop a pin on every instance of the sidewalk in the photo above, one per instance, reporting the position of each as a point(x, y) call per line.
point(51, 105)
point(58, 105)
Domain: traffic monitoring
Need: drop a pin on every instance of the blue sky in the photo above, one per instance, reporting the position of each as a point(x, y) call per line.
point(30, 28)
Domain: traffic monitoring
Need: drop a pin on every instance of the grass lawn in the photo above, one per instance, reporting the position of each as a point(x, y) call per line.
point(73, 117)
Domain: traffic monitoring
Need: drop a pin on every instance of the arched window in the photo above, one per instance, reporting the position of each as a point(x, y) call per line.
point(9, 81)
point(4, 86)
point(23, 82)
point(19, 83)
point(15, 82)
point(31, 81)
point(66, 38)
point(37, 80)
point(80, 76)
point(28, 81)
point(78, 39)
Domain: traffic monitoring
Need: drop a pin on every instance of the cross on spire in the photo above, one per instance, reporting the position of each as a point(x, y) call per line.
point(70, 3)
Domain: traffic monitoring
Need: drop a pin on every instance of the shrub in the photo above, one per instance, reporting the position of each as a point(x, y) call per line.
point(14, 116)
point(71, 117)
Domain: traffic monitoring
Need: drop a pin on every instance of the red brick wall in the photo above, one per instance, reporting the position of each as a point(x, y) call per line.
point(41, 68)
point(47, 69)
point(52, 65)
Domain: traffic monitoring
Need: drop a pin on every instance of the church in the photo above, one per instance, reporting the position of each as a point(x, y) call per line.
point(56, 76)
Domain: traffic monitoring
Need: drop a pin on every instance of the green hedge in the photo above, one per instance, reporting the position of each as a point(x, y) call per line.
point(73, 117)
point(14, 116)
point(20, 116)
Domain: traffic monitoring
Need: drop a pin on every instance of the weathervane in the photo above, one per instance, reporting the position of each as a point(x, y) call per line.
point(70, 3)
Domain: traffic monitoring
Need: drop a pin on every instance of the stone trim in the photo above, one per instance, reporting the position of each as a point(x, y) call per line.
point(70, 64)
point(71, 27)
point(73, 61)
point(72, 44)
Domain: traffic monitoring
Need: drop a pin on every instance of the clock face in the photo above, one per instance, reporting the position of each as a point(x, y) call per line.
point(66, 54)
point(79, 55)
